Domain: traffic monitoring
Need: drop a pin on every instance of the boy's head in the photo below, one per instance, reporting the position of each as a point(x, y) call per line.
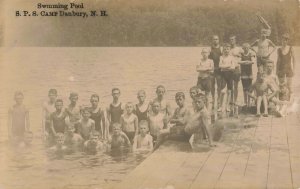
point(60, 139)
point(59, 104)
point(216, 40)
point(144, 127)
point(246, 47)
point(232, 40)
point(285, 38)
point(160, 91)
point(19, 97)
point(141, 95)
point(86, 112)
point(94, 100)
point(116, 128)
point(193, 92)
point(115, 92)
point(226, 48)
point(129, 107)
point(264, 33)
point(269, 66)
point(205, 53)
point(52, 94)
point(28, 136)
point(70, 131)
point(73, 97)
point(156, 106)
point(179, 98)
point(95, 136)
point(260, 77)
point(200, 101)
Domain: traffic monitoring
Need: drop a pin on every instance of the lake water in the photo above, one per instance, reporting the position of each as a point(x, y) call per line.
point(86, 71)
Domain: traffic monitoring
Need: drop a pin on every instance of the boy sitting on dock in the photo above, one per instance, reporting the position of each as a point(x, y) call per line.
point(18, 118)
point(205, 70)
point(144, 140)
point(86, 125)
point(261, 87)
point(118, 138)
point(199, 123)
point(180, 117)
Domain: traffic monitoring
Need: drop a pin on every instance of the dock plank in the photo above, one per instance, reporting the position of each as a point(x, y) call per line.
point(255, 175)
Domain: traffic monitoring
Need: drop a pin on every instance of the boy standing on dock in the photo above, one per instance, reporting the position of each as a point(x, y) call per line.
point(205, 70)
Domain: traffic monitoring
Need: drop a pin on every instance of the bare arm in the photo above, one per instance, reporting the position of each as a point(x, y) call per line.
point(9, 123)
point(136, 125)
point(272, 45)
point(150, 142)
point(206, 123)
point(274, 92)
point(134, 146)
point(293, 59)
point(27, 121)
point(52, 127)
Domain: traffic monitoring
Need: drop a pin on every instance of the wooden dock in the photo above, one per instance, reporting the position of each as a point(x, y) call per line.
point(266, 155)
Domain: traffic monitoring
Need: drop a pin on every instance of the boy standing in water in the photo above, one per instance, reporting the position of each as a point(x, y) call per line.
point(115, 109)
point(72, 139)
point(144, 140)
point(86, 125)
point(57, 119)
point(180, 117)
point(59, 144)
point(118, 138)
point(246, 62)
point(129, 122)
point(165, 107)
point(205, 70)
point(157, 122)
point(73, 111)
point(18, 118)
point(94, 145)
point(263, 48)
point(142, 108)
point(98, 115)
point(48, 108)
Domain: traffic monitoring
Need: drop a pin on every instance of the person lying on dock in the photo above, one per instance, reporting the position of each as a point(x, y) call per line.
point(199, 123)
point(94, 144)
point(180, 117)
point(261, 87)
point(118, 138)
point(144, 140)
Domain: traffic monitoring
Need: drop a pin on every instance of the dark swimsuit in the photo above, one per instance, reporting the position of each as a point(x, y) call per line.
point(115, 114)
point(284, 66)
point(59, 124)
point(246, 71)
point(141, 115)
point(97, 117)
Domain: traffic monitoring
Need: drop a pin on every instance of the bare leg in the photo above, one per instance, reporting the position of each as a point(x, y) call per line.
point(235, 90)
point(289, 84)
point(209, 101)
point(208, 135)
point(258, 104)
point(229, 97)
point(265, 101)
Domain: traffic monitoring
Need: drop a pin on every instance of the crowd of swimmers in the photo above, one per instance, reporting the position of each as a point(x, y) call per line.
point(145, 125)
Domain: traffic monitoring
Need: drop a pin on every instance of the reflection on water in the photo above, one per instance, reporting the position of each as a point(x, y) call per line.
point(86, 71)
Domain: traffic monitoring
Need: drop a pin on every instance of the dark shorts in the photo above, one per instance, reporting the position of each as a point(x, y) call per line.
point(130, 135)
point(261, 61)
point(246, 83)
point(228, 78)
point(285, 73)
point(237, 74)
point(204, 83)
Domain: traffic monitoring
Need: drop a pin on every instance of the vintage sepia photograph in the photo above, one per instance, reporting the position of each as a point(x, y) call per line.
point(157, 94)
